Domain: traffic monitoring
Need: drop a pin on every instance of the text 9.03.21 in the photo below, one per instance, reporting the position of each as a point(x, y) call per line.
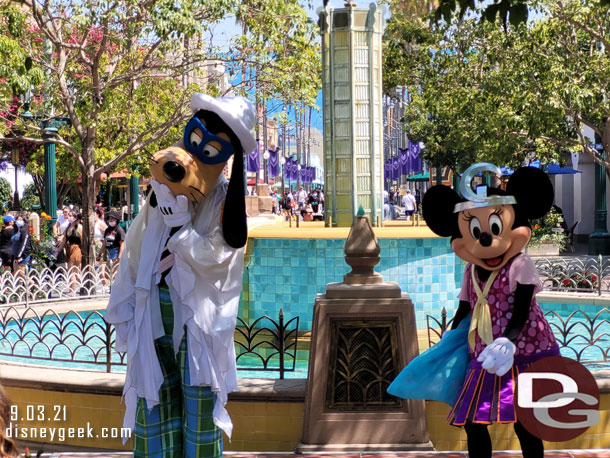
point(40, 412)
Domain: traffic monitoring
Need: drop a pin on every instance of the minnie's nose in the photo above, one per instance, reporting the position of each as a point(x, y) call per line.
point(173, 171)
point(485, 239)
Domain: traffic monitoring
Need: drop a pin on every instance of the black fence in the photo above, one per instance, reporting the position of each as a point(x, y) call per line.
point(85, 340)
point(580, 335)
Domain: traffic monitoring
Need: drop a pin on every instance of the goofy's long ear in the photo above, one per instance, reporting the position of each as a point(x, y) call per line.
point(234, 224)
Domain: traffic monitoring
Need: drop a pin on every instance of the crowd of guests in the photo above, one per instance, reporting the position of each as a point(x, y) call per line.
point(408, 200)
point(15, 243)
point(67, 232)
point(108, 237)
point(309, 206)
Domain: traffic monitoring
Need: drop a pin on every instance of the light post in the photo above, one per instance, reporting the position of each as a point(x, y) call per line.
point(15, 161)
point(50, 127)
point(599, 240)
point(265, 164)
point(282, 162)
point(134, 194)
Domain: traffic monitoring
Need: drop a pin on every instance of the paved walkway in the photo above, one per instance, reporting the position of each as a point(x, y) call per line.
point(595, 453)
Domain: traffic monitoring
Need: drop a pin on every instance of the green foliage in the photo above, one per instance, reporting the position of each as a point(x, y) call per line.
point(118, 70)
point(548, 230)
point(477, 93)
point(504, 11)
point(30, 198)
point(17, 70)
point(6, 192)
point(42, 247)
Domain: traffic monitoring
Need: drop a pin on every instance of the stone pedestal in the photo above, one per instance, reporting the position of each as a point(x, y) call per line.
point(363, 334)
point(34, 220)
point(262, 190)
point(252, 205)
point(265, 204)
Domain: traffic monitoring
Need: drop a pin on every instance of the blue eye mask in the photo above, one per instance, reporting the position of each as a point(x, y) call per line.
point(200, 147)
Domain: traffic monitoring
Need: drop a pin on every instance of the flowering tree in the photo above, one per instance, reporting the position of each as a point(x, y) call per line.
point(113, 67)
point(123, 71)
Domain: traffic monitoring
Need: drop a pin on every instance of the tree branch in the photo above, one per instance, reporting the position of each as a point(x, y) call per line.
point(66, 96)
point(589, 124)
point(138, 144)
point(57, 139)
point(554, 141)
point(584, 27)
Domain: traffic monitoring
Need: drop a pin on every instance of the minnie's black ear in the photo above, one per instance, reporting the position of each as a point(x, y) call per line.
point(437, 205)
point(234, 223)
point(533, 190)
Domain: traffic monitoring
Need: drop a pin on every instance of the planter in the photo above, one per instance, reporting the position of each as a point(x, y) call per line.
point(544, 249)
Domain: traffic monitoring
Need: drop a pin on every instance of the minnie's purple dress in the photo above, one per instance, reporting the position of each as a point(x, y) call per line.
point(487, 398)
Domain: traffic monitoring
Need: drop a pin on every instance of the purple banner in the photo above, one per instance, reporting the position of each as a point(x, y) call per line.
point(306, 174)
point(395, 168)
point(291, 169)
point(386, 170)
point(313, 174)
point(254, 161)
point(274, 164)
point(415, 162)
point(403, 158)
point(295, 169)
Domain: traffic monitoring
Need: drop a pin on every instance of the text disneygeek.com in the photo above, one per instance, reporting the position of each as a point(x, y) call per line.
point(61, 433)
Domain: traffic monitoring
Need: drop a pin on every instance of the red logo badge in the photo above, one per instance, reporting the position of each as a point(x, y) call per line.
point(557, 399)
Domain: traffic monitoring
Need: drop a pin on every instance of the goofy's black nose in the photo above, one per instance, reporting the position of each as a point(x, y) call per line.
point(485, 239)
point(173, 171)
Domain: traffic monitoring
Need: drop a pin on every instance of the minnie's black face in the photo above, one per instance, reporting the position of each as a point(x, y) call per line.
point(487, 237)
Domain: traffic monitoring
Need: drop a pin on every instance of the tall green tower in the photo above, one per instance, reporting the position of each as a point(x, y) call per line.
point(352, 108)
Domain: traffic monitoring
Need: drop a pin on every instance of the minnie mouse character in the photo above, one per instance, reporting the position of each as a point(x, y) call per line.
point(508, 330)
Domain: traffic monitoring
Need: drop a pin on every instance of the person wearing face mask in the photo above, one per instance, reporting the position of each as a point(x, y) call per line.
point(114, 238)
point(98, 231)
point(62, 223)
point(22, 245)
point(73, 240)
point(313, 201)
point(6, 245)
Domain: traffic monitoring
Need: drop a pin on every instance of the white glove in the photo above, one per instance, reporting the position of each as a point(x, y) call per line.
point(175, 209)
point(497, 358)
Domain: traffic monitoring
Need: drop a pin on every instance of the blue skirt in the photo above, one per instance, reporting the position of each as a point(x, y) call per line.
point(437, 374)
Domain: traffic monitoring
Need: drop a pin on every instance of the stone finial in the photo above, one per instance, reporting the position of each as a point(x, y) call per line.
point(362, 253)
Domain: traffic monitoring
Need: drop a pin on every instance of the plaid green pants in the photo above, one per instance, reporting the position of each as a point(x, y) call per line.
point(182, 424)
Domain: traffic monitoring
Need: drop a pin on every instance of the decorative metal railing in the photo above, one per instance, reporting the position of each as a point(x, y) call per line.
point(439, 328)
point(559, 273)
point(575, 273)
point(580, 336)
point(85, 340)
point(59, 283)
point(268, 345)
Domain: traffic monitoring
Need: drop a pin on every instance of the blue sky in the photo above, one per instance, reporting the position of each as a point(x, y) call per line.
point(222, 33)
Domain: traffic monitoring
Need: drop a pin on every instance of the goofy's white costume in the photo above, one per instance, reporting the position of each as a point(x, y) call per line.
point(175, 298)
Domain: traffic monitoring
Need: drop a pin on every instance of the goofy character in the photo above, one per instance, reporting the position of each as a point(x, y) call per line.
point(175, 298)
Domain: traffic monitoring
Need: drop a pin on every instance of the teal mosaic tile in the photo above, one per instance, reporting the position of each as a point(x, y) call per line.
point(288, 274)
